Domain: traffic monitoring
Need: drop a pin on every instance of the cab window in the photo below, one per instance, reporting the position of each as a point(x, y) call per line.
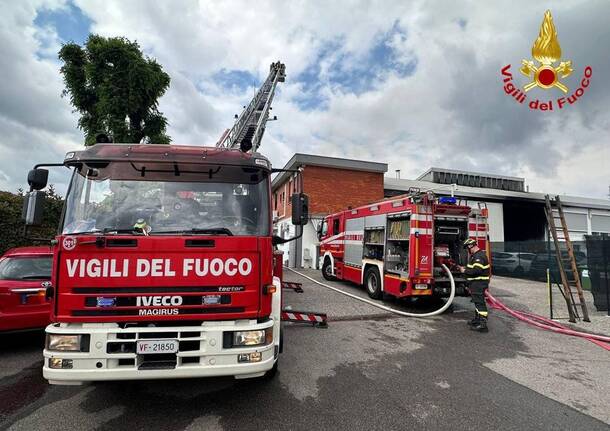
point(335, 226)
point(324, 228)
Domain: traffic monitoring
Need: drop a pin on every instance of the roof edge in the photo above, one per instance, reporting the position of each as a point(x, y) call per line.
point(481, 174)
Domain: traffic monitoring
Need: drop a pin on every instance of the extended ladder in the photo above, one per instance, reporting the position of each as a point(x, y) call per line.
point(569, 279)
point(247, 132)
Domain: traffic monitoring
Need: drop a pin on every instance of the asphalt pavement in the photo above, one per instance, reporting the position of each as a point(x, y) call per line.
point(369, 369)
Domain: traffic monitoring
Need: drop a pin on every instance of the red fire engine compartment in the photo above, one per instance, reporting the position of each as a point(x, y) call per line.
point(114, 278)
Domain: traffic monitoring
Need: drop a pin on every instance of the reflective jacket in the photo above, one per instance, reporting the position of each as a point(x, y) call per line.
point(478, 267)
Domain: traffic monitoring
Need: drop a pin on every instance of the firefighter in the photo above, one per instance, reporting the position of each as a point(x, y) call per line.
point(477, 274)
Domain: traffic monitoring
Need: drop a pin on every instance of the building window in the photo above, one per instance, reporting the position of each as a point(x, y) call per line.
point(275, 201)
point(289, 186)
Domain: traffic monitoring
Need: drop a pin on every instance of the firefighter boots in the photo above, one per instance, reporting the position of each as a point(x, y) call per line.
point(475, 320)
point(480, 325)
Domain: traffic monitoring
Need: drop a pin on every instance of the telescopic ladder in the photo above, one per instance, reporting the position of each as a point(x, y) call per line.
point(247, 132)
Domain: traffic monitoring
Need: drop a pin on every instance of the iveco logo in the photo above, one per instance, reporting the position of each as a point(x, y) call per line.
point(105, 302)
point(158, 301)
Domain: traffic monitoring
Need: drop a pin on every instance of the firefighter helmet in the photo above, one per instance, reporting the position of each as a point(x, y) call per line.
point(469, 243)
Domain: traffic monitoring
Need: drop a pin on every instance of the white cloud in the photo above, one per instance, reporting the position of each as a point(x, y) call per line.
point(450, 112)
point(36, 124)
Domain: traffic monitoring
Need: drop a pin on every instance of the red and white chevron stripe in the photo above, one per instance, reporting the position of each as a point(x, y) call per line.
point(304, 316)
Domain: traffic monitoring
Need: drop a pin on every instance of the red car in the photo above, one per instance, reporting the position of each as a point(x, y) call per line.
point(25, 274)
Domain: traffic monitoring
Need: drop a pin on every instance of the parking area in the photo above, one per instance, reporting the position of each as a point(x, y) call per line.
point(369, 369)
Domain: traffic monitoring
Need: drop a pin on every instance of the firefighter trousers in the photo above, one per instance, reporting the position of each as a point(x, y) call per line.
point(477, 291)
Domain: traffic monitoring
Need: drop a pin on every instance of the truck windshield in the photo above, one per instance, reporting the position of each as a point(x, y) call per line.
point(164, 198)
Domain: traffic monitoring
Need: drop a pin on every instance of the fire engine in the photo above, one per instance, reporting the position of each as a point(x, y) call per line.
point(398, 246)
point(164, 261)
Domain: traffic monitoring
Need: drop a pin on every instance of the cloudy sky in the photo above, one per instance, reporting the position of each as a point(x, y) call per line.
point(411, 83)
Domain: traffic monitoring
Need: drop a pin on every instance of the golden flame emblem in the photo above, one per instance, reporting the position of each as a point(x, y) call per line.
point(547, 51)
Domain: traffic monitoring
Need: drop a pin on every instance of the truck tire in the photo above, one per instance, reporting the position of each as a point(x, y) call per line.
point(327, 270)
point(269, 375)
point(372, 282)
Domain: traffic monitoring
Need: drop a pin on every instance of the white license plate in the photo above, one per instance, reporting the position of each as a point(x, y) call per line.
point(150, 347)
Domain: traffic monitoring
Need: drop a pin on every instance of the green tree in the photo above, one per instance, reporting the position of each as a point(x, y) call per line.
point(115, 88)
point(11, 226)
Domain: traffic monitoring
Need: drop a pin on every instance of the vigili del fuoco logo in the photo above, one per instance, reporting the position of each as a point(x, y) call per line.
point(544, 72)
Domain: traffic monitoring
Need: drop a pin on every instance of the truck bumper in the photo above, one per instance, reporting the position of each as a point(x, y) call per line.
point(112, 353)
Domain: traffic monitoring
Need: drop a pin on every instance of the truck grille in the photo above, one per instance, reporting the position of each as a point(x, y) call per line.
point(192, 345)
point(150, 302)
point(158, 362)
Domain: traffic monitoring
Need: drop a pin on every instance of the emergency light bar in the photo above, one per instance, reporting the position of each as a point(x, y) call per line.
point(449, 200)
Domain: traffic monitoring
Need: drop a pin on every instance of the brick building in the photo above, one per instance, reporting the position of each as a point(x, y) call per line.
point(332, 184)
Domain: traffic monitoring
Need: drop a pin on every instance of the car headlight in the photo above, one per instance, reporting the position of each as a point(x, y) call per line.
point(252, 338)
point(65, 343)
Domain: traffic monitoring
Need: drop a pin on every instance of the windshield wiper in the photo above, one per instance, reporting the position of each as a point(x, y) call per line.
point(107, 230)
point(203, 231)
point(35, 277)
point(123, 230)
point(84, 232)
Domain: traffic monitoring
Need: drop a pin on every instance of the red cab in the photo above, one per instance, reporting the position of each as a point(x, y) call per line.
point(25, 274)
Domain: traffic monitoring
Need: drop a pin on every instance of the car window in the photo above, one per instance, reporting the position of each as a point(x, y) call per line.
point(541, 258)
point(26, 268)
point(526, 256)
point(579, 255)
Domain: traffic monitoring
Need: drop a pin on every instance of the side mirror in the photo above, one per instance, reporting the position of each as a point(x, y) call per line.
point(319, 231)
point(33, 203)
point(37, 178)
point(300, 209)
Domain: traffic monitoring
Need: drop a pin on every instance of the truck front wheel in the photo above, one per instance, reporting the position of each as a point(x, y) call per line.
point(372, 282)
point(269, 375)
point(327, 270)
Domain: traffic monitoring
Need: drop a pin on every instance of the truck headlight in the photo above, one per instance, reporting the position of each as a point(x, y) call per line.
point(258, 337)
point(60, 364)
point(68, 343)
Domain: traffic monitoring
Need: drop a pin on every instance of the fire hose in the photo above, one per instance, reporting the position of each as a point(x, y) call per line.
point(384, 307)
point(548, 324)
point(531, 318)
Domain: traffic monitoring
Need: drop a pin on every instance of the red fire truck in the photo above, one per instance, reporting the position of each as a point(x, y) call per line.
point(398, 246)
point(163, 265)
